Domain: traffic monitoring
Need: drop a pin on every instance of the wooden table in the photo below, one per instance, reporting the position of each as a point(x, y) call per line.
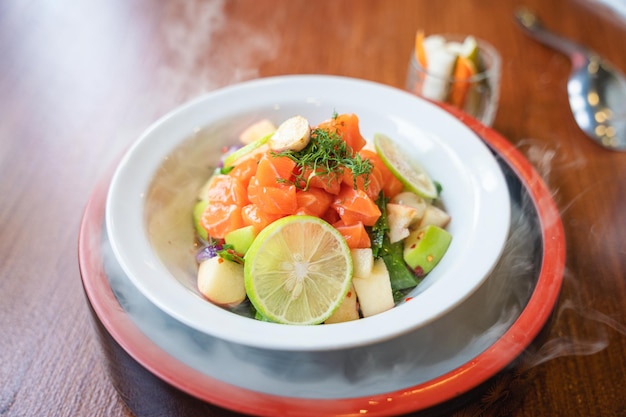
point(79, 81)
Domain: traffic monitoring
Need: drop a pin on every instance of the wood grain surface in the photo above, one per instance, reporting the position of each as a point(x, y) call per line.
point(79, 81)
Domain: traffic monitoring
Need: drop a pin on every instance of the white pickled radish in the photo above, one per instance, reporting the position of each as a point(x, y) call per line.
point(440, 67)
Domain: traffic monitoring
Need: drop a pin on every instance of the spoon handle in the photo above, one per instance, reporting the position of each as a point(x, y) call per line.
point(535, 29)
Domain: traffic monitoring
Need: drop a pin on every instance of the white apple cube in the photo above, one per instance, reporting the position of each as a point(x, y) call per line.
point(435, 216)
point(348, 310)
point(408, 198)
point(411, 199)
point(221, 281)
point(400, 217)
point(374, 291)
point(362, 262)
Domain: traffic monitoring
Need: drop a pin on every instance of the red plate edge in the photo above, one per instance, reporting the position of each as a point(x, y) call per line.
point(419, 397)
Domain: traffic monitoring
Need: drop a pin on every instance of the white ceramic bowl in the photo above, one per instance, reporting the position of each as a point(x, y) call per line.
point(148, 210)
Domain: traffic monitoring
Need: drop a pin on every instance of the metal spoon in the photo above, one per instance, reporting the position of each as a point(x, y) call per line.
point(597, 91)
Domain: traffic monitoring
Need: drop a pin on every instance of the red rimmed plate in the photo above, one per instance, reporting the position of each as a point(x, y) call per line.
point(119, 329)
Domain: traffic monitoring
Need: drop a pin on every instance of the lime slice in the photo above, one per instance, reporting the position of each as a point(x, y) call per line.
point(408, 171)
point(246, 150)
point(298, 270)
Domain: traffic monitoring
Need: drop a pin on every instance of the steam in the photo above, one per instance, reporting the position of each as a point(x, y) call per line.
point(203, 53)
point(592, 330)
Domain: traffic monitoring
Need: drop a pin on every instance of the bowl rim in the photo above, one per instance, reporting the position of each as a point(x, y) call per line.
point(238, 329)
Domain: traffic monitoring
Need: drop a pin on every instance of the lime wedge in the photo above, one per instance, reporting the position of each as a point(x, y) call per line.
point(246, 150)
point(298, 270)
point(408, 171)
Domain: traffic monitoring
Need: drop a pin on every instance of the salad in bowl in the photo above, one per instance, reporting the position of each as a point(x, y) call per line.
point(312, 226)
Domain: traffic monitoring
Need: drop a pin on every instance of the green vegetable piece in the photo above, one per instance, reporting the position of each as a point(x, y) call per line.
point(198, 210)
point(400, 275)
point(378, 232)
point(424, 248)
point(240, 239)
point(248, 149)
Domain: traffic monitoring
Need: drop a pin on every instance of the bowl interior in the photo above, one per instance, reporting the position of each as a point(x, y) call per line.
point(149, 204)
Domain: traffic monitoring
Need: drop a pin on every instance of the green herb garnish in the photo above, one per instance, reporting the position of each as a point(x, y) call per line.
point(228, 253)
point(327, 155)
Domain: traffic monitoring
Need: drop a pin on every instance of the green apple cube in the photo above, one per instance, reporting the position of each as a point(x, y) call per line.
point(241, 239)
point(198, 210)
point(424, 248)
